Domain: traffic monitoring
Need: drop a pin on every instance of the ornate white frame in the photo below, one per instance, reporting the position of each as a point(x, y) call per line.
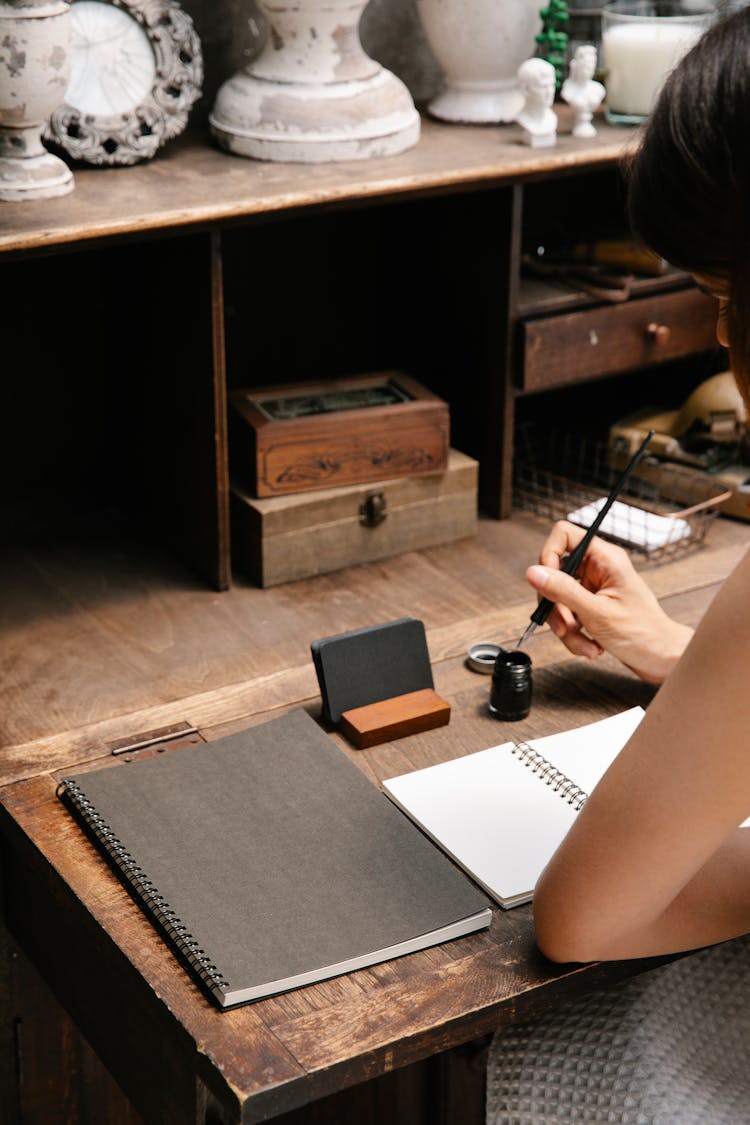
point(138, 134)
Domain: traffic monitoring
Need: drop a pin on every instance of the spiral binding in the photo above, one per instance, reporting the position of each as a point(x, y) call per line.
point(550, 775)
point(138, 882)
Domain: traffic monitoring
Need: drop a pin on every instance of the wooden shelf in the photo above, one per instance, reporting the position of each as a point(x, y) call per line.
point(193, 184)
point(547, 296)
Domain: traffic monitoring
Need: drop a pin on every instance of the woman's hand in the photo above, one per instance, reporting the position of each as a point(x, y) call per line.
point(608, 607)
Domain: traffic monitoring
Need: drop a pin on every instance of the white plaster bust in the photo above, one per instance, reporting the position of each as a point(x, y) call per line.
point(581, 92)
point(536, 79)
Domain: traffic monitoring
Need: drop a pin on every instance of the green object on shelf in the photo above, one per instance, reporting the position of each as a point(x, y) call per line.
point(552, 40)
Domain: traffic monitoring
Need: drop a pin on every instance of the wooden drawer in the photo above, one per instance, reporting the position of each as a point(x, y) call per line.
point(558, 350)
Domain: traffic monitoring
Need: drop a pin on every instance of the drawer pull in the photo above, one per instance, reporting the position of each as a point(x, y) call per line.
point(658, 333)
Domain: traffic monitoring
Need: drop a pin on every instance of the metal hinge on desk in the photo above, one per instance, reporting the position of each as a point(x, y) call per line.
point(152, 739)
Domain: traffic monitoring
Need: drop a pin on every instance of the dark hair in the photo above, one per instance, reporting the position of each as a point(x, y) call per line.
point(689, 180)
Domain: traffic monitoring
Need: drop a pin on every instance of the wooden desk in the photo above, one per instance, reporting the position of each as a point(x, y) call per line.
point(177, 1057)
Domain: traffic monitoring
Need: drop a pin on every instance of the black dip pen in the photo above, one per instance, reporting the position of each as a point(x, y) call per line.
point(575, 558)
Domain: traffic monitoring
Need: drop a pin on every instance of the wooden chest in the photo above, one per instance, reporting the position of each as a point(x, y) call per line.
point(288, 537)
point(307, 436)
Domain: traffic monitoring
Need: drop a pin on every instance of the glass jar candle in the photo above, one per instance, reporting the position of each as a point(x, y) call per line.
point(641, 42)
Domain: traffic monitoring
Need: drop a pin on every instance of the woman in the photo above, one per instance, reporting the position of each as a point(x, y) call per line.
point(656, 862)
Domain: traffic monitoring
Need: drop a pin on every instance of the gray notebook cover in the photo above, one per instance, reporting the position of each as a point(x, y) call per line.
point(268, 860)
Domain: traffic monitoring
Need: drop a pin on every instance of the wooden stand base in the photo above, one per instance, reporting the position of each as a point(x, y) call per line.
point(393, 718)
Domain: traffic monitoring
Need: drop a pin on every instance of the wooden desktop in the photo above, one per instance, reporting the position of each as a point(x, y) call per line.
point(174, 1053)
point(112, 638)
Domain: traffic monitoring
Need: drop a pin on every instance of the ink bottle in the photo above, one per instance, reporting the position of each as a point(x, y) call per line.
point(510, 696)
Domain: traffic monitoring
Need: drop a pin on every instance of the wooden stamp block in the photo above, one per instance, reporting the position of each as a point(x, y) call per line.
point(305, 436)
point(394, 718)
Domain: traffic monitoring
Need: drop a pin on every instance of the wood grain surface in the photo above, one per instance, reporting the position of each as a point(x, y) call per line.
point(192, 184)
point(169, 1048)
point(149, 646)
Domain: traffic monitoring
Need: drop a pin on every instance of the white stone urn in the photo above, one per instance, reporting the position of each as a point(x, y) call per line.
point(313, 95)
point(480, 44)
point(34, 72)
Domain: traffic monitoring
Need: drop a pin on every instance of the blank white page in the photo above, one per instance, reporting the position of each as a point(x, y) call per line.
point(491, 814)
point(586, 753)
point(494, 816)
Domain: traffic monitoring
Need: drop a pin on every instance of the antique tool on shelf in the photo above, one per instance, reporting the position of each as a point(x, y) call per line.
point(706, 435)
point(602, 268)
point(599, 282)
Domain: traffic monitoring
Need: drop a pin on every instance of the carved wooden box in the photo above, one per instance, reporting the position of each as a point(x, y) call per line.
point(283, 538)
point(304, 436)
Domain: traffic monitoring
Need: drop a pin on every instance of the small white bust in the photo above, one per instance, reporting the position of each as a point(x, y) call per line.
point(536, 79)
point(581, 92)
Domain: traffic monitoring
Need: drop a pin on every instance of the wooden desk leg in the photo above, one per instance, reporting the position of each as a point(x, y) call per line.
point(457, 1087)
point(58, 1069)
point(207, 1110)
point(48, 1072)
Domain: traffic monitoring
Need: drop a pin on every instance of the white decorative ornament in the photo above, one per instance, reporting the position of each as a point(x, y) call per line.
point(34, 68)
point(136, 71)
point(537, 118)
point(581, 92)
point(113, 66)
point(479, 45)
point(313, 95)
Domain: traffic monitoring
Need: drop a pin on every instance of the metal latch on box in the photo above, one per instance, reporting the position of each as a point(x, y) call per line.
point(373, 509)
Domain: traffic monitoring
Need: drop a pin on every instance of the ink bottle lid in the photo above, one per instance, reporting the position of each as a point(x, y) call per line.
point(510, 695)
point(481, 657)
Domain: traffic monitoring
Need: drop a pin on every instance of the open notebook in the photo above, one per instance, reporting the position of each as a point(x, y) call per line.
point(501, 813)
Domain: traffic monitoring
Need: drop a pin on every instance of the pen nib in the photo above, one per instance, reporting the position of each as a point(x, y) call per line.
point(529, 630)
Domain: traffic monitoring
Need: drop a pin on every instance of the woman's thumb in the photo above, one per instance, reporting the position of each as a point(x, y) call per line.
point(560, 587)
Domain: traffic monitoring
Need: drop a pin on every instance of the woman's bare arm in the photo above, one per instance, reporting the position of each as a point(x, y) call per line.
point(655, 862)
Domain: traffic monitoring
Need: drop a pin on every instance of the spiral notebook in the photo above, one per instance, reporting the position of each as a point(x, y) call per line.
point(501, 813)
point(267, 860)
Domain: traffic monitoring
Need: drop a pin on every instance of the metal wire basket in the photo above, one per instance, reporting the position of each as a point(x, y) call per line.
point(663, 509)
